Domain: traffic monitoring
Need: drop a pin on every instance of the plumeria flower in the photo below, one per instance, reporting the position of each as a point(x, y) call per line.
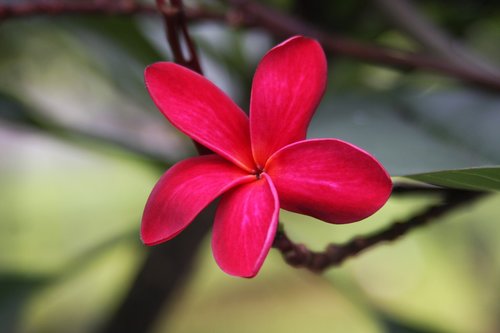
point(262, 162)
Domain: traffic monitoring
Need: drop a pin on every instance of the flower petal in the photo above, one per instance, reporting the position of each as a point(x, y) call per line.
point(287, 87)
point(329, 179)
point(183, 191)
point(201, 110)
point(244, 227)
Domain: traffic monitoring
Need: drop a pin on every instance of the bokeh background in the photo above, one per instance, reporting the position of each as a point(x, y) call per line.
point(81, 146)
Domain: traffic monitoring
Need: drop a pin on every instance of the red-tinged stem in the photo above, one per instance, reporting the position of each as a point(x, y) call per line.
point(298, 255)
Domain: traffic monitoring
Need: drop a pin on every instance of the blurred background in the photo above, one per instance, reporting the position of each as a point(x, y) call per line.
point(81, 146)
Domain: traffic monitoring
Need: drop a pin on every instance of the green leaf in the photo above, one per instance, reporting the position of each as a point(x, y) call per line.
point(487, 179)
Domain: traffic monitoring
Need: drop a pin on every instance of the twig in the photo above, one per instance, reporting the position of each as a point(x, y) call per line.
point(298, 255)
point(112, 8)
point(251, 13)
point(58, 7)
point(177, 33)
point(284, 25)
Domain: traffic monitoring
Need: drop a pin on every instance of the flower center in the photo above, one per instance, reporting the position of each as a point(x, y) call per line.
point(258, 172)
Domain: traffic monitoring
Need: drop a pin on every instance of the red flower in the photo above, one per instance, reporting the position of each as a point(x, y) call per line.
point(261, 163)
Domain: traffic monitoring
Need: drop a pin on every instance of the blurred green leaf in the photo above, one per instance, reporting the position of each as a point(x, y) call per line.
point(119, 49)
point(467, 179)
point(79, 301)
point(11, 109)
point(14, 111)
point(462, 117)
point(393, 325)
point(412, 130)
point(15, 291)
point(379, 124)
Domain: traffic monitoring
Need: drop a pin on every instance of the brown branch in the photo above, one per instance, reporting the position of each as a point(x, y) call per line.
point(111, 8)
point(176, 30)
point(284, 25)
point(406, 15)
point(298, 255)
point(251, 13)
point(11, 10)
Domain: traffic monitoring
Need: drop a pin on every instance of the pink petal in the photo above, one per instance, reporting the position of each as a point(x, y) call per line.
point(183, 191)
point(329, 179)
point(287, 87)
point(244, 227)
point(201, 110)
